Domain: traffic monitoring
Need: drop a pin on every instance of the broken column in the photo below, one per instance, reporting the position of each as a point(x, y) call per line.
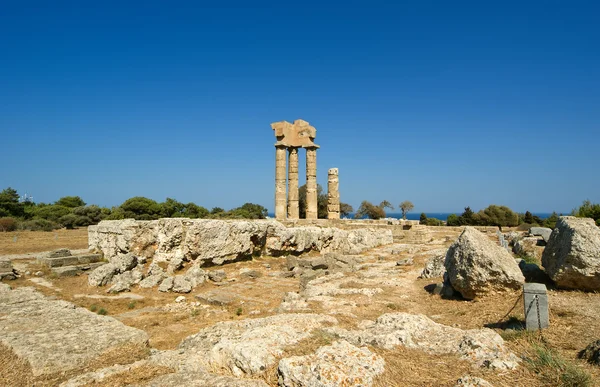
point(280, 182)
point(311, 183)
point(293, 208)
point(333, 194)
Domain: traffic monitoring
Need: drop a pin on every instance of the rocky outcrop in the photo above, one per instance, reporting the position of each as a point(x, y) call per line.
point(6, 270)
point(219, 241)
point(475, 266)
point(250, 346)
point(484, 347)
point(340, 364)
point(56, 338)
point(572, 256)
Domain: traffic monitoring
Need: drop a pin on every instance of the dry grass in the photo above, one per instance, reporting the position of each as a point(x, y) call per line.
point(135, 375)
point(22, 242)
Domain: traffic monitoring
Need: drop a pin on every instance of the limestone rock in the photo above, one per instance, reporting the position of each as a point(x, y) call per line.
point(217, 275)
point(102, 275)
point(122, 282)
point(195, 275)
point(152, 280)
point(181, 284)
point(572, 256)
point(193, 379)
point(219, 241)
point(484, 347)
point(124, 262)
point(340, 364)
point(250, 346)
point(529, 246)
point(434, 267)
point(591, 353)
point(544, 232)
point(59, 253)
point(166, 285)
point(56, 338)
point(475, 266)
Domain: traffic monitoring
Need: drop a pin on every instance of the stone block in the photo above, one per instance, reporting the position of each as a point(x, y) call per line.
point(536, 306)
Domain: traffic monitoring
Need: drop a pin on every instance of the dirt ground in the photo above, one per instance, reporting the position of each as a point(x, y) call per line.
point(574, 316)
point(22, 242)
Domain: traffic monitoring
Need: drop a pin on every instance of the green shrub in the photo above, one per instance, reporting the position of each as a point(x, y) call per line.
point(239, 311)
point(94, 308)
point(38, 224)
point(8, 224)
point(102, 312)
point(434, 222)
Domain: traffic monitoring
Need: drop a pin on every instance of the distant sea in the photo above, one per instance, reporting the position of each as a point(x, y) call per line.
point(438, 215)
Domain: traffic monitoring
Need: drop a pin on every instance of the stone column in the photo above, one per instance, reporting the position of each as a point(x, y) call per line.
point(280, 182)
point(333, 194)
point(311, 183)
point(293, 208)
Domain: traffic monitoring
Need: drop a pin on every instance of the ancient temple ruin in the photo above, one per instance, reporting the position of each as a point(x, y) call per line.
point(291, 137)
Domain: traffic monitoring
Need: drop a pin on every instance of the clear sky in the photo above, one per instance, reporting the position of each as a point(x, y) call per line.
point(444, 103)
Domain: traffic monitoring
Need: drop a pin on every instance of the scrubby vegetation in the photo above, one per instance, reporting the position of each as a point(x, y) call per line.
point(371, 211)
point(72, 212)
point(588, 210)
point(345, 208)
point(500, 216)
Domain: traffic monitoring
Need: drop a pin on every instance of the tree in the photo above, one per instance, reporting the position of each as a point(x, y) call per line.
point(321, 202)
point(171, 208)
point(9, 204)
point(499, 216)
point(255, 211)
point(423, 218)
point(588, 210)
point(368, 210)
point(141, 208)
point(345, 209)
point(453, 220)
point(194, 211)
point(70, 201)
point(405, 207)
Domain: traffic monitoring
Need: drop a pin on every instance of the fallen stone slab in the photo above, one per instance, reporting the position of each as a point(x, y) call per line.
point(71, 271)
point(56, 339)
point(218, 298)
point(249, 347)
point(544, 232)
point(483, 347)
point(340, 364)
point(129, 296)
point(572, 256)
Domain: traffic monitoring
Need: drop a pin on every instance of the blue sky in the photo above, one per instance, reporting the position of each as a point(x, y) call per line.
point(446, 104)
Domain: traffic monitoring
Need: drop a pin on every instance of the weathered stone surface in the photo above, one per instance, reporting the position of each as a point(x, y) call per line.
point(102, 275)
point(152, 280)
point(124, 262)
point(529, 246)
point(572, 256)
point(217, 275)
point(591, 353)
point(404, 262)
point(544, 232)
point(181, 284)
point(250, 346)
point(122, 282)
point(340, 364)
point(56, 337)
point(219, 241)
point(6, 270)
point(217, 298)
point(476, 266)
point(64, 252)
point(166, 285)
point(195, 275)
point(483, 347)
point(434, 267)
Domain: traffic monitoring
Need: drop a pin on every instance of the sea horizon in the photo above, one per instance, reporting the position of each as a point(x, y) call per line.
point(438, 215)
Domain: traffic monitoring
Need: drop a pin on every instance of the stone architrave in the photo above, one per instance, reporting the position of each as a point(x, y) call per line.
point(280, 182)
point(311, 183)
point(289, 136)
point(293, 207)
point(333, 194)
